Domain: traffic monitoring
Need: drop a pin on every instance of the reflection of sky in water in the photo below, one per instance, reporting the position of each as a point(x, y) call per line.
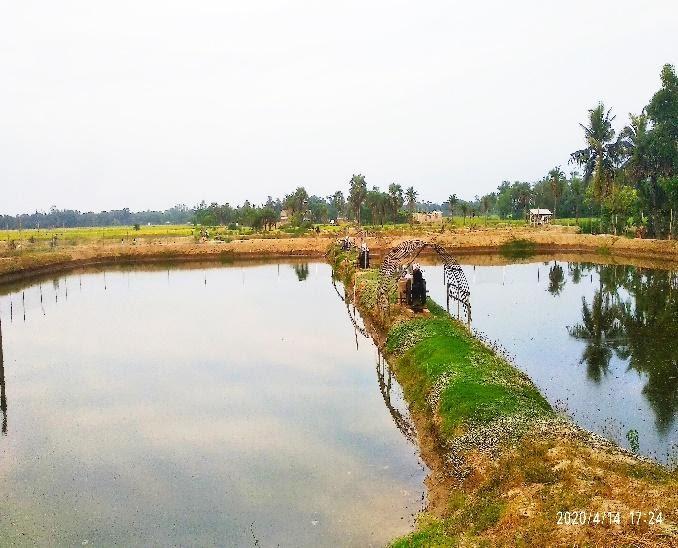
point(512, 305)
point(167, 410)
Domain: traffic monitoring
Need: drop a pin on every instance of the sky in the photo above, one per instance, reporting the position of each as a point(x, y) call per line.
point(150, 103)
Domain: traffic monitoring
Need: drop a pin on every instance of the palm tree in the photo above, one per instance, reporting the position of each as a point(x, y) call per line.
point(357, 194)
point(557, 181)
point(452, 201)
point(464, 210)
point(396, 201)
point(411, 196)
point(523, 197)
point(577, 192)
point(601, 154)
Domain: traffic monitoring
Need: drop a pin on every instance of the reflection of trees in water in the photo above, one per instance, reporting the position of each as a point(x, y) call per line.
point(640, 327)
point(301, 270)
point(579, 270)
point(602, 330)
point(385, 377)
point(651, 327)
point(556, 279)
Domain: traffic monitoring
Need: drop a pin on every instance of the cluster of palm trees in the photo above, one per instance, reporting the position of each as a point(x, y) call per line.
point(380, 205)
point(633, 175)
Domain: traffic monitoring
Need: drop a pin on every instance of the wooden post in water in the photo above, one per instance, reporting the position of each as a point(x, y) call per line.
point(3, 396)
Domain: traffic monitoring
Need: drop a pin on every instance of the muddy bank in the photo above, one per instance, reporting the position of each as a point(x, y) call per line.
point(24, 264)
point(29, 261)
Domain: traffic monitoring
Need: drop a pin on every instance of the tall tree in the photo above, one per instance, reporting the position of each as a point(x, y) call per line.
point(464, 211)
point(522, 197)
point(338, 202)
point(411, 196)
point(357, 194)
point(662, 111)
point(451, 202)
point(601, 153)
point(557, 182)
point(577, 189)
point(396, 200)
point(485, 202)
point(296, 202)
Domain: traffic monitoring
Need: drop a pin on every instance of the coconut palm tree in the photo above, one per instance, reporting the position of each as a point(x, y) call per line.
point(577, 193)
point(357, 194)
point(396, 201)
point(464, 211)
point(602, 152)
point(452, 201)
point(411, 196)
point(557, 182)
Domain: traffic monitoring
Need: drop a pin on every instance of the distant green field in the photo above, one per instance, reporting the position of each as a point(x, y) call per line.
point(96, 233)
point(73, 235)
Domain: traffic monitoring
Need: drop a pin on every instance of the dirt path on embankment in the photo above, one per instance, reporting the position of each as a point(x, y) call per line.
point(28, 260)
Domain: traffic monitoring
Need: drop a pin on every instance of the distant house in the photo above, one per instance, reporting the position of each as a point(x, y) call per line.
point(284, 217)
point(540, 217)
point(429, 217)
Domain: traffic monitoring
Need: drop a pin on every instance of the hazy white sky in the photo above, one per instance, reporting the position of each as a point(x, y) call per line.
point(149, 103)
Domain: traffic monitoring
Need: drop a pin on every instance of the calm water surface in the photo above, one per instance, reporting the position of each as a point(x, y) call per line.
point(228, 405)
point(600, 342)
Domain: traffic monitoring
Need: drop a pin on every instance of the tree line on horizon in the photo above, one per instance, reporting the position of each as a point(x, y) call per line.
point(628, 179)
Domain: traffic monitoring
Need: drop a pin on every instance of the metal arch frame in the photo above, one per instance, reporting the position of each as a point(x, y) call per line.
point(404, 254)
point(360, 235)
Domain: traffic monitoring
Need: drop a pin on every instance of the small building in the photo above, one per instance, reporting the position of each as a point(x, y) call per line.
point(428, 217)
point(284, 217)
point(540, 217)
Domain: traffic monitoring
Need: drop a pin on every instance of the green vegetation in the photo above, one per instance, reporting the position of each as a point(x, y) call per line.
point(97, 233)
point(479, 387)
point(518, 249)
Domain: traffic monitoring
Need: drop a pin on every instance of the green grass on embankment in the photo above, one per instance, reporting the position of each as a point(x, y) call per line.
point(507, 463)
point(436, 353)
point(479, 386)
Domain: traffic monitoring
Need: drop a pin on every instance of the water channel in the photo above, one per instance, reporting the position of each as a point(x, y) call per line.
point(599, 340)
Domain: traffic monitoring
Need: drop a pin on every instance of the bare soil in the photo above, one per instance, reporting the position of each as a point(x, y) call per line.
point(27, 260)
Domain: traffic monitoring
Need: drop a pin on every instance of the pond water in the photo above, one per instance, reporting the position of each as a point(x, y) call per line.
point(230, 405)
point(600, 342)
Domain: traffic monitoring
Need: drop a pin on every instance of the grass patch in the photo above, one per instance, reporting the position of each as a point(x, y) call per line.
point(430, 532)
point(518, 249)
point(482, 386)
